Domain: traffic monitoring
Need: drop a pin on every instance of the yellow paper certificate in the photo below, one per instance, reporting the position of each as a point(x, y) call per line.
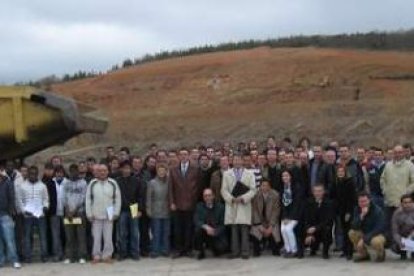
point(74, 221)
point(134, 210)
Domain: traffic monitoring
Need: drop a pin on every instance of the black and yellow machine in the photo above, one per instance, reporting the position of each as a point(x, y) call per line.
point(32, 120)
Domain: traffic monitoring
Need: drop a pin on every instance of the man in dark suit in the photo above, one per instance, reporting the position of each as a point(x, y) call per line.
point(319, 215)
point(183, 192)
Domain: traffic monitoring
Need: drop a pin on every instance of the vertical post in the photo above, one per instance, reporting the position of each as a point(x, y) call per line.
point(20, 133)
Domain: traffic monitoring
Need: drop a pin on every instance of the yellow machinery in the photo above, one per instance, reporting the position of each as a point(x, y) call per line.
point(32, 120)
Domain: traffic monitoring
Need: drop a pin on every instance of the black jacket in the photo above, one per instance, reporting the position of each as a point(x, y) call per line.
point(51, 190)
point(318, 215)
point(7, 200)
point(130, 192)
point(327, 176)
point(374, 174)
point(344, 196)
point(354, 170)
point(294, 210)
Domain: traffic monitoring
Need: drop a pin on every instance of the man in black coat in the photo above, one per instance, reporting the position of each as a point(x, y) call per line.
point(319, 215)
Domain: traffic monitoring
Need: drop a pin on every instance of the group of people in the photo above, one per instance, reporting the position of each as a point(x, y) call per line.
point(236, 201)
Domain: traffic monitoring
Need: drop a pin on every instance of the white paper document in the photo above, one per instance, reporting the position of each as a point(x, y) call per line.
point(35, 209)
point(408, 245)
point(110, 212)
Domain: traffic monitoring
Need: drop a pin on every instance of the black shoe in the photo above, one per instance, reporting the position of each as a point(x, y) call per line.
point(276, 252)
point(135, 258)
point(245, 257)
point(188, 254)
point(44, 260)
point(232, 256)
point(360, 259)
point(201, 255)
point(299, 255)
point(177, 255)
point(312, 253)
point(256, 253)
point(403, 256)
point(325, 255)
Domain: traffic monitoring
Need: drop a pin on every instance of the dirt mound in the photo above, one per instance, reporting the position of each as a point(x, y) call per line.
point(323, 93)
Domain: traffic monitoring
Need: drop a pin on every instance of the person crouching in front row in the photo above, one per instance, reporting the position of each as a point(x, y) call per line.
point(209, 222)
point(265, 219)
point(367, 229)
point(319, 216)
point(403, 226)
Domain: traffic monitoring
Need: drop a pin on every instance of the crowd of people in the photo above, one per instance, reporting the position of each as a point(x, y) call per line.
point(216, 200)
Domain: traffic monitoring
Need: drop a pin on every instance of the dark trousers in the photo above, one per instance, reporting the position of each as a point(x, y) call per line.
point(183, 231)
point(240, 240)
point(144, 229)
point(30, 223)
point(324, 237)
point(266, 242)
point(347, 247)
point(56, 225)
point(128, 235)
point(389, 212)
point(76, 241)
point(217, 244)
point(19, 233)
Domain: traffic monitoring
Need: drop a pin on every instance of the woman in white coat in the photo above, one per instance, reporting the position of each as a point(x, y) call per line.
point(238, 189)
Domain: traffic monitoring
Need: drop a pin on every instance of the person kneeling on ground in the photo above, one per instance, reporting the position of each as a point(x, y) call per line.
point(209, 223)
point(367, 229)
point(319, 215)
point(265, 218)
point(403, 225)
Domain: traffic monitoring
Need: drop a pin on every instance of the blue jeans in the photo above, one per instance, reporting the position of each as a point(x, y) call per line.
point(29, 224)
point(7, 240)
point(160, 236)
point(128, 235)
point(56, 229)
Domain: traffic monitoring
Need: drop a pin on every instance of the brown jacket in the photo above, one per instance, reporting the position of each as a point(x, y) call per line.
point(272, 209)
point(272, 214)
point(215, 184)
point(184, 191)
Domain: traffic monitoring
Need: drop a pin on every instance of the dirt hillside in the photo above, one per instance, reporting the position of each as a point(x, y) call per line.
point(351, 95)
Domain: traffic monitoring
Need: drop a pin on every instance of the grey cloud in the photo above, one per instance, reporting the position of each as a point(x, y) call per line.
point(45, 37)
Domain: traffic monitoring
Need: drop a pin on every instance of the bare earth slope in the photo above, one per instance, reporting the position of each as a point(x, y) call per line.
point(252, 93)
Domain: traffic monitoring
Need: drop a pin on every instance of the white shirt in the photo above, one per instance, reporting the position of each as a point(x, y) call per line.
point(59, 197)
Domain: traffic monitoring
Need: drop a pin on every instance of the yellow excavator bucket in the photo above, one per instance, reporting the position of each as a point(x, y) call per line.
point(32, 120)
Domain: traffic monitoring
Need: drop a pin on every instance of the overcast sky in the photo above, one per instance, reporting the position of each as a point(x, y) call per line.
point(39, 38)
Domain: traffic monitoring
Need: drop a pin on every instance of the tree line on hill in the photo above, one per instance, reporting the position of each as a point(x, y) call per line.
point(397, 40)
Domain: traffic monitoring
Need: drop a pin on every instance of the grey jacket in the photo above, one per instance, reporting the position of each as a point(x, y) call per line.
point(101, 195)
point(74, 196)
point(402, 224)
point(157, 199)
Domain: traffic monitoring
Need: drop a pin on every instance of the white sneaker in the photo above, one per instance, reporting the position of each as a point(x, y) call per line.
point(67, 261)
point(82, 261)
point(17, 265)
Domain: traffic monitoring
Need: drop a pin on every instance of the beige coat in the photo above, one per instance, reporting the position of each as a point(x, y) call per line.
point(272, 214)
point(397, 180)
point(238, 213)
